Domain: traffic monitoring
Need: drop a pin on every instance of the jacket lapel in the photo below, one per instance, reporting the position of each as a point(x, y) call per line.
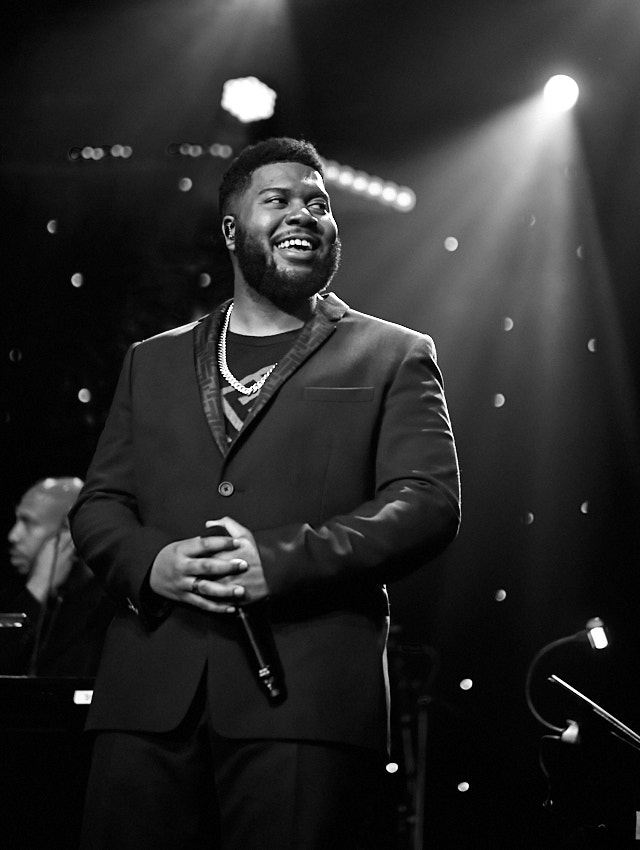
point(310, 338)
point(329, 311)
point(205, 341)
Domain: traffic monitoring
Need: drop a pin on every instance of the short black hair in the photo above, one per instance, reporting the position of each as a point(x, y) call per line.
point(279, 149)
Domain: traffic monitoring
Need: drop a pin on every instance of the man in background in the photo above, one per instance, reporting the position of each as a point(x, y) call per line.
point(56, 613)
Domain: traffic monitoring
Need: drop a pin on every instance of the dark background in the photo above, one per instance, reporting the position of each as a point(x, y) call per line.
point(538, 303)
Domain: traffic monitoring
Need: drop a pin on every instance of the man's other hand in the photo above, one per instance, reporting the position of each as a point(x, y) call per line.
point(202, 572)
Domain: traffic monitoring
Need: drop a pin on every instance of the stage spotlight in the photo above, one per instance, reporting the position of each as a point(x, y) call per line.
point(375, 187)
point(248, 99)
point(561, 93)
point(405, 199)
point(346, 177)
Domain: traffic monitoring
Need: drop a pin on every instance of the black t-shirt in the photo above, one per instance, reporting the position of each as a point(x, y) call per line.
point(248, 358)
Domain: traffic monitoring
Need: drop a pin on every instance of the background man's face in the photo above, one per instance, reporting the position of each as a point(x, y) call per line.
point(37, 521)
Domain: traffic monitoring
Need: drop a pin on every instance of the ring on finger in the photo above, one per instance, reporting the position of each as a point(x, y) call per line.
point(195, 587)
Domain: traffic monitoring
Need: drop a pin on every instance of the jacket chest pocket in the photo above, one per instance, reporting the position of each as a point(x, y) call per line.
point(349, 394)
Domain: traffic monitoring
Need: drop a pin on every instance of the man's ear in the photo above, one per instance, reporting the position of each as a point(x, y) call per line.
point(229, 232)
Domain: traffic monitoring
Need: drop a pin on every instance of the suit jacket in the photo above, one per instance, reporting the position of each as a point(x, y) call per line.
point(345, 471)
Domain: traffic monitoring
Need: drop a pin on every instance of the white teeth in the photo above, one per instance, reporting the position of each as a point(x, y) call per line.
point(295, 243)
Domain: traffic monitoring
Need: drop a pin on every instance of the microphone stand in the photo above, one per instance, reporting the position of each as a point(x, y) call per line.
point(616, 727)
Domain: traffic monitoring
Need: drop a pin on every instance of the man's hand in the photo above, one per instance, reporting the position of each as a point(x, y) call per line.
point(201, 571)
point(42, 582)
point(252, 580)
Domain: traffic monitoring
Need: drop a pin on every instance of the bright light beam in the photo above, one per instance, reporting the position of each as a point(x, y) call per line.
point(561, 93)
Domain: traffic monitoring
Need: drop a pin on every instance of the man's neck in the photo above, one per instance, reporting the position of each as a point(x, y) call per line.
point(256, 316)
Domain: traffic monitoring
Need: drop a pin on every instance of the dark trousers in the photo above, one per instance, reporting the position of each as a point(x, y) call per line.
point(192, 789)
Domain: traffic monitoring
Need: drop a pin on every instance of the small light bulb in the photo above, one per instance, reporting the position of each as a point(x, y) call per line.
point(597, 634)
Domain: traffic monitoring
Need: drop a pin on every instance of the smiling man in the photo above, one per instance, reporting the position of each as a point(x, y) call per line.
point(242, 700)
point(285, 259)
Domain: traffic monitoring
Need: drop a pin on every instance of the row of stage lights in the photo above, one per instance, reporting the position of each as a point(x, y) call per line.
point(195, 151)
point(358, 182)
point(385, 192)
point(90, 153)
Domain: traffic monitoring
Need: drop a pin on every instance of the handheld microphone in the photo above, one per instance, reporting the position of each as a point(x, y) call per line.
point(259, 643)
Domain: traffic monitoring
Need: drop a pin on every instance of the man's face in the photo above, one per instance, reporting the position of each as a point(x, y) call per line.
point(286, 239)
point(36, 521)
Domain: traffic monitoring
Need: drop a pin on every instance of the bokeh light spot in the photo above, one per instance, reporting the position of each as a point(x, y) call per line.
point(451, 244)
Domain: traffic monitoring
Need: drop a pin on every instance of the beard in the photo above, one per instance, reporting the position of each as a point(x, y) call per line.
point(283, 287)
point(20, 563)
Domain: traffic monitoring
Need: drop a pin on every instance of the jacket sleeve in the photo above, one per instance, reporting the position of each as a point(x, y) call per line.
point(415, 511)
point(105, 524)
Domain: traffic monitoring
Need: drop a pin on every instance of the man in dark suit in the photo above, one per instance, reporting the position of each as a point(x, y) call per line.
point(319, 439)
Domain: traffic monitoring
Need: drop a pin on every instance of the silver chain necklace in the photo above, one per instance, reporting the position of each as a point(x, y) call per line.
point(224, 368)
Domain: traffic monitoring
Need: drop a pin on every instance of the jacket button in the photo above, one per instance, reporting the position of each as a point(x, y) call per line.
point(225, 488)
